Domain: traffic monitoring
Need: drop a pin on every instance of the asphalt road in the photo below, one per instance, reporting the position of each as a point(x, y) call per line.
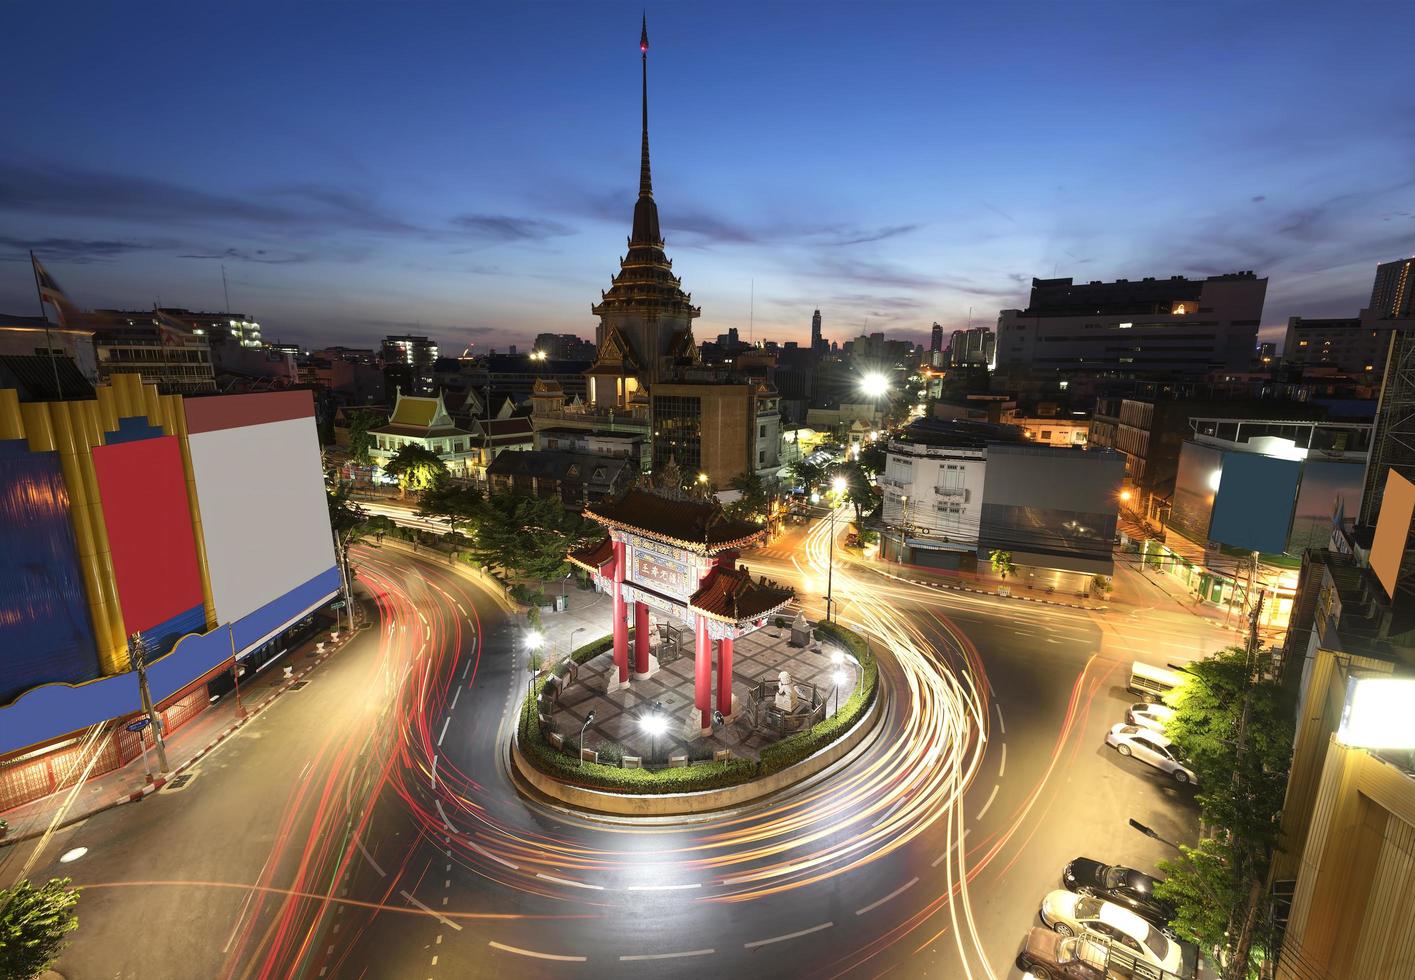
point(365, 825)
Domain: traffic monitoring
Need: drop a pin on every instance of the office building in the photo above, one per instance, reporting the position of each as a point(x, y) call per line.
point(721, 429)
point(1393, 292)
point(219, 328)
point(1164, 328)
point(976, 347)
point(563, 347)
point(155, 347)
point(1351, 345)
point(408, 365)
point(818, 343)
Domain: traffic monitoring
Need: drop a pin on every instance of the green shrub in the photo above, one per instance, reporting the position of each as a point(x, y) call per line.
point(611, 754)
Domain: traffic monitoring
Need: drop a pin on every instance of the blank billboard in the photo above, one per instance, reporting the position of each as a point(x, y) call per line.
point(1393, 530)
point(261, 494)
point(1254, 503)
point(1331, 491)
point(1194, 483)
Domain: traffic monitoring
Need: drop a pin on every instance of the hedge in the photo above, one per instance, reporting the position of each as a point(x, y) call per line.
point(705, 775)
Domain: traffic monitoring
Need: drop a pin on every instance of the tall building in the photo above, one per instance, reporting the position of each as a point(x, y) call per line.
point(722, 430)
point(1393, 445)
point(219, 328)
point(818, 343)
point(936, 339)
point(564, 347)
point(1346, 344)
point(972, 348)
point(1393, 293)
point(408, 365)
point(1165, 328)
point(645, 319)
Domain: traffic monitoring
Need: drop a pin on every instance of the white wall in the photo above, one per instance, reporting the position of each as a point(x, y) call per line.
point(263, 512)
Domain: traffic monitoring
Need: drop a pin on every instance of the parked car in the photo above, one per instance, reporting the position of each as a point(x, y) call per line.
point(1049, 955)
point(1145, 714)
point(1151, 748)
point(1071, 914)
point(1126, 887)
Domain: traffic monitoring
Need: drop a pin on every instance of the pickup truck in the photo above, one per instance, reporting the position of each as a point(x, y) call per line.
point(1049, 955)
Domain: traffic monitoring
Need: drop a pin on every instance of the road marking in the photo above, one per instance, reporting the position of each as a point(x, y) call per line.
point(894, 894)
point(991, 796)
point(442, 918)
point(465, 669)
point(661, 888)
point(434, 961)
point(1000, 723)
point(444, 729)
point(487, 854)
point(789, 935)
point(1002, 766)
point(443, 814)
point(567, 881)
point(455, 695)
point(539, 956)
point(434, 769)
point(669, 956)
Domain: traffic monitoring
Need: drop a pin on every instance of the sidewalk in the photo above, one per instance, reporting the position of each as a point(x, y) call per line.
point(185, 746)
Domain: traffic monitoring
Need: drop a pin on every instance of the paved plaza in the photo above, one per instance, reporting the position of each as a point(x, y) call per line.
point(758, 657)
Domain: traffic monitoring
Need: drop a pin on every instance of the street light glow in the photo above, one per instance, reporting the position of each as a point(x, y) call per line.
point(1377, 714)
point(654, 724)
point(838, 484)
point(534, 640)
point(874, 384)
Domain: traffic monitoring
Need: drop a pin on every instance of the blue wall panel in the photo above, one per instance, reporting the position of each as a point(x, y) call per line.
point(1253, 506)
point(45, 631)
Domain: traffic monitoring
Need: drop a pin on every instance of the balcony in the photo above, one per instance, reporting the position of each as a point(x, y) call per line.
point(956, 493)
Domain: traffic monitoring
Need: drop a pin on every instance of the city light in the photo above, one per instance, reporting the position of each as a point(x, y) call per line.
point(534, 640)
point(654, 724)
point(838, 484)
point(1377, 714)
point(837, 657)
point(874, 384)
point(702, 477)
point(1125, 495)
point(1215, 478)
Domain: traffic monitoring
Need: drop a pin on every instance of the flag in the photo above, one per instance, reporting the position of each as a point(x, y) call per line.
point(171, 331)
point(49, 291)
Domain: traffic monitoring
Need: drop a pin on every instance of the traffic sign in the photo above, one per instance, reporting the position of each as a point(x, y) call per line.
point(338, 604)
point(139, 725)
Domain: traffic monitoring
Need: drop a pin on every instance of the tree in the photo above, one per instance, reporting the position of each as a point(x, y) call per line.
point(347, 520)
point(873, 457)
point(858, 492)
point(528, 535)
point(458, 505)
point(1001, 562)
point(805, 474)
point(755, 502)
point(360, 441)
point(33, 924)
point(1204, 890)
point(415, 468)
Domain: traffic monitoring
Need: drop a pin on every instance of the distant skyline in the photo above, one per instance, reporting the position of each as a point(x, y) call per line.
point(469, 173)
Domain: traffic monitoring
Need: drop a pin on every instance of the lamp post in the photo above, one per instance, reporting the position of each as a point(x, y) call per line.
point(839, 678)
point(1150, 833)
point(533, 640)
point(838, 485)
point(137, 652)
point(589, 720)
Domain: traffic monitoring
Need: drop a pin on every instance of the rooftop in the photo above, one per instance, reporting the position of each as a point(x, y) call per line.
point(675, 519)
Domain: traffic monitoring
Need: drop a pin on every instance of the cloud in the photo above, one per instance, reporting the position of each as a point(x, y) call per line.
point(261, 255)
point(508, 228)
point(75, 251)
point(1258, 198)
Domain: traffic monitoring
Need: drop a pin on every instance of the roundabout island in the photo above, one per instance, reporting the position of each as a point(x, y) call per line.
point(702, 695)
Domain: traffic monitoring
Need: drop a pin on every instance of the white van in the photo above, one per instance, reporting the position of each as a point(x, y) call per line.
point(1152, 682)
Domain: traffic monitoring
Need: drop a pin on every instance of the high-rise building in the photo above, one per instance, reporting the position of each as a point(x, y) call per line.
point(1165, 328)
point(645, 319)
point(818, 343)
point(563, 347)
point(972, 348)
point(1345, 344)
point(936, 338)
point(407, 365)
point(1393, 293)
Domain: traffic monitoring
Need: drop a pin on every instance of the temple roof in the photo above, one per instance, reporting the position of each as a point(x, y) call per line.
point(595, 557)
point(677, 520)
point(731, 595)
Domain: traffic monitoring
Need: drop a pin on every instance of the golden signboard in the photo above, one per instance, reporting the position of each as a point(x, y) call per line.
point(661, 574)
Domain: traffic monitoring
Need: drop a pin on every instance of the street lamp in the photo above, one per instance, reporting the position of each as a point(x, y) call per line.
point(533, 640)
point(589, 720)
point(874, 384)
point(839, 678)
point(838, 485)
point(1150, 833)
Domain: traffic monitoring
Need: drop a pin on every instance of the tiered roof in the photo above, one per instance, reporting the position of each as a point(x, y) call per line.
point(675, 519)
point(594, 558)
point(730, 595)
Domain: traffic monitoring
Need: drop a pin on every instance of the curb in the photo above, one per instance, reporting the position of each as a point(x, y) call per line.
point(963, 588)
point(143, 792)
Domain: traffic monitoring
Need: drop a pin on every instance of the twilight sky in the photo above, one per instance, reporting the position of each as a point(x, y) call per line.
point(470, 173)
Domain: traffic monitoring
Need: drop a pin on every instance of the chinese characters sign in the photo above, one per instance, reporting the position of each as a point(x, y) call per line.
point(662, 574)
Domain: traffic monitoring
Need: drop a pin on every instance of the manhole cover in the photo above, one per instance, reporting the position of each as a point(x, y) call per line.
point(298, 685)
point(179, 782)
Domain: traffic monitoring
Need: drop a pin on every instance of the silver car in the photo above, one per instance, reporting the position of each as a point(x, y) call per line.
point(1151, 748)
point(1149, 715)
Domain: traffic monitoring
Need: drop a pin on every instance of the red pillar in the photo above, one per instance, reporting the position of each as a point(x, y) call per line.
point(702, 672)
point(641, 638)
point(724, 676)
point(621, 622)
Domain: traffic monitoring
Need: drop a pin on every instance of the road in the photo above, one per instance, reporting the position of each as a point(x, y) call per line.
point(366, 826)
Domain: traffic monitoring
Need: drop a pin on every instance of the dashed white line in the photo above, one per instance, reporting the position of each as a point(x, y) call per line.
point(894, 894)
point(991, 796)
point(789, 935)
point(487, 854)
point(539, 956)
point(443, 814)
point(669, 956)
point(1002, 766)
point(441, 918)
point(444, 729)
point(1000, 723)
point(434, 772)
point(455, 695)
point(369, 858)
point(567, 881)
point(662, 888)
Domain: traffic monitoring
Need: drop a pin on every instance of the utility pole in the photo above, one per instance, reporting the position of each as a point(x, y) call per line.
point(137, 652)
point(344, 579)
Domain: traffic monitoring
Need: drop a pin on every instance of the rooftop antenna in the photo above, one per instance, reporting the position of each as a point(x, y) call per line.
point(970, 318)
point(752, 314)
point(224, 293)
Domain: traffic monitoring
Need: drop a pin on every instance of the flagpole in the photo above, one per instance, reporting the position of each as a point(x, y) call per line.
point(48, 341)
